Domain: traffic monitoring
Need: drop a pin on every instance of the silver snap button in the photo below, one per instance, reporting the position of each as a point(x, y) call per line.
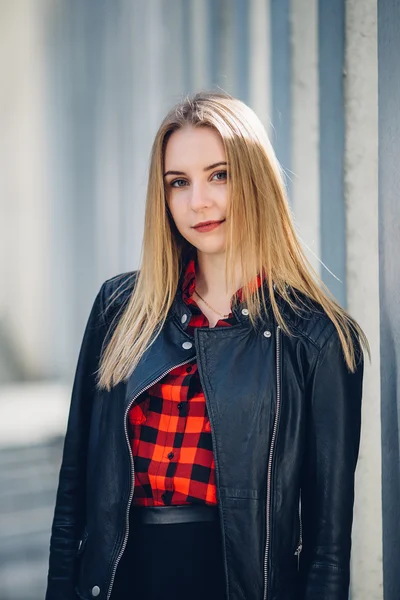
point(95, 590)
point(183, 318)
point(187, 345)
point(267, 334)
point(245, 311)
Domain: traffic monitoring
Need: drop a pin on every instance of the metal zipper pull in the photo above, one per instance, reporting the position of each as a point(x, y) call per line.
point(297, 553)
point(300, 544)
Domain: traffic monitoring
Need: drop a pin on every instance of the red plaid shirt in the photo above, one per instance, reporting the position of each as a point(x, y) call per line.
point(170, 431)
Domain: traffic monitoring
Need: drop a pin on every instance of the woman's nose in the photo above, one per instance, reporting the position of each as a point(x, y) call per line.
point(199, 198)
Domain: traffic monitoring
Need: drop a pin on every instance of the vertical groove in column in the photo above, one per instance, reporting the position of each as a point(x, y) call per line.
point(227, 45)
point(187, 47)
point(260, 61)
point(59, 132)
point(213, 40)
point(199, 43)
point(331, 117)
point(241, 21)
point(281, 83)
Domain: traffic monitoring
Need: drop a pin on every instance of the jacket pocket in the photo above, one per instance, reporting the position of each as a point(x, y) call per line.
point(79, 559)
point(82, 543)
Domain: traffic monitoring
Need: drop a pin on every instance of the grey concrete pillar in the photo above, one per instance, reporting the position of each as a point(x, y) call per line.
point(305, 126)
point(25, 198)
point(389, 236)
point(362, 268)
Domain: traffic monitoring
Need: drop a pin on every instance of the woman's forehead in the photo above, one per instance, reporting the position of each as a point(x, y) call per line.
point(193, 146)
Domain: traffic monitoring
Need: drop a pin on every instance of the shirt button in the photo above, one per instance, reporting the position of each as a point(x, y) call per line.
point(95, 590)
point(188, 369)
point(164, 497)
point(187, 345)
point(171, 455)
point(179, 405)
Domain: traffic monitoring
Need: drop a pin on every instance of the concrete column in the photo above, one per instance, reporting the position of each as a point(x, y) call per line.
point(305, 126)
point(389, 236)
point(24, 196)
point(157, 67)
point(361, 193)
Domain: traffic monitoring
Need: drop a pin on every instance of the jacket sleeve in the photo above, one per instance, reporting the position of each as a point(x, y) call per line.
point(333, 436)
point(69, 514)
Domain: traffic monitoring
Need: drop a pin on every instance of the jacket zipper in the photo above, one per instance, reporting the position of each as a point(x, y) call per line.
point(270, 461)
point(300, 544)
point(133, 471)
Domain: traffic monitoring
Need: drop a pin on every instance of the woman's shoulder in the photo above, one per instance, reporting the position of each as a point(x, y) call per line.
point(307, 318)
point(121, 284)
point(116, 291)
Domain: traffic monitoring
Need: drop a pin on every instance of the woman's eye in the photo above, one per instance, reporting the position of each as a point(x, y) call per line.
point(220, 176)
point(178, 183)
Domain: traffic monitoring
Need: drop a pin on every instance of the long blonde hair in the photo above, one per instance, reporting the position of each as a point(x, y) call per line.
point(260, 238)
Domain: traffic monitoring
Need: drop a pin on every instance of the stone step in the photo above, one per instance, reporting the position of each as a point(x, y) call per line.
point(24, 544)
point(32, 426)
point(24, 475)
point(50, 452)
point(33, 520)
point(25, 502)
point(24, 579)
point(32, 414)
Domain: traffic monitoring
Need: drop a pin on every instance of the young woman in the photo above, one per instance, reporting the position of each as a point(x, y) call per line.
point(215, 416)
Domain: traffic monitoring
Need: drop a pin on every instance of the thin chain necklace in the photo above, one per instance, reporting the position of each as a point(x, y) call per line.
point(209, 306)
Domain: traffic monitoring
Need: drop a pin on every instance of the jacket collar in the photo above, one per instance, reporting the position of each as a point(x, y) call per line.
point(181, 310)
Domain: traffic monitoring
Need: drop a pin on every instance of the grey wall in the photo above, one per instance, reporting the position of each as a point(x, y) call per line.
point(389, 230)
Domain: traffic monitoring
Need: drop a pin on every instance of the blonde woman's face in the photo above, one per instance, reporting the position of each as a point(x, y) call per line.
point(195, 181)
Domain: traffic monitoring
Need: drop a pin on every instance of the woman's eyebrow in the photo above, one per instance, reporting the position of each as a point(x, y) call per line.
point(218, 164)
point(174, 173)
point(213, 166)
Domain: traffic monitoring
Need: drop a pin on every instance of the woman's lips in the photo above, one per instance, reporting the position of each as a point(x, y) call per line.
point(208, 227)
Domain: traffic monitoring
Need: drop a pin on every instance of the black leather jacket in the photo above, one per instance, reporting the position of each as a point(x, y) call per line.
point(285, 421)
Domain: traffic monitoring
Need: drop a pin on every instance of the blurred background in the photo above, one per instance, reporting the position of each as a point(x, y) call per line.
point(84, 86)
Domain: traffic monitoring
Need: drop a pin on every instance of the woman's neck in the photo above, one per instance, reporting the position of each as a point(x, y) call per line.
point(210, 281)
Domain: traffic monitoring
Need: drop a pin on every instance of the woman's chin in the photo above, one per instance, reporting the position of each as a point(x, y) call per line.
point(210, 248)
